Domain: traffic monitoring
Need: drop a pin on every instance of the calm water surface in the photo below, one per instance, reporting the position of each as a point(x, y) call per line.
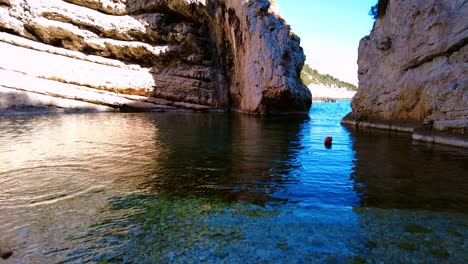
point(227, 188)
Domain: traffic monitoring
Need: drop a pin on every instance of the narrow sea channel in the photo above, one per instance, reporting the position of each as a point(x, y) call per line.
point(227, 188)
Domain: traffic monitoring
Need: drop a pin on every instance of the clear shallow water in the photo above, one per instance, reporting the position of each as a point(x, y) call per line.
point(220, 188)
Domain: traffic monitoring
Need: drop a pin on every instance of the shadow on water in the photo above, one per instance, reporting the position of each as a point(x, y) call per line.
point(392, 171)
point(236, 158)
point(412, 198)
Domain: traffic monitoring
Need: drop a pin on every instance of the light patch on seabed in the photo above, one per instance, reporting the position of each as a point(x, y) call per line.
point(203, 230)
point(200, 230)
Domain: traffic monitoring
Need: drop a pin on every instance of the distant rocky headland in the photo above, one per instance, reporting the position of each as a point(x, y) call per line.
point(139, 55)
point(326, 88)
point(413, 71)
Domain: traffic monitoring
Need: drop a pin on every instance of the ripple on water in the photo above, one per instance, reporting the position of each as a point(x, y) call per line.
point(40, 185)
point(225, 187)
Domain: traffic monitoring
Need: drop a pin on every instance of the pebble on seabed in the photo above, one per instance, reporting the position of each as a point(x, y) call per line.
point(5, 251)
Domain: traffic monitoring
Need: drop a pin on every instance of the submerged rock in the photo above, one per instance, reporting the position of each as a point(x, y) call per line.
point(150, 55)
point(413, 71)
point(5, 251)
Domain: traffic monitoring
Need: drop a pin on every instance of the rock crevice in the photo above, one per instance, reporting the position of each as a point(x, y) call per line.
point(456, 47)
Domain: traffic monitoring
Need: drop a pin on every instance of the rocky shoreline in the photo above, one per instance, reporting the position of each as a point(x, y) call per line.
point(418, 130)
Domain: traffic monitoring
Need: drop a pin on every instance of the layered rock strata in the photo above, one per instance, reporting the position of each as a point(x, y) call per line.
point(413, 71)
point(149, 55)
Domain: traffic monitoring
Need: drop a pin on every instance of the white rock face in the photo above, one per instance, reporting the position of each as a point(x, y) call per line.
point(161, 54)
point(413, 67)
point(322, 91)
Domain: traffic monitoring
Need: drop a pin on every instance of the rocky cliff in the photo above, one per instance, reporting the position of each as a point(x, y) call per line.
point(149, 55)
point(413, 71)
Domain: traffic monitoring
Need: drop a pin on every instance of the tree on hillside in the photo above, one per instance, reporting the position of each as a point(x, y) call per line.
point(310, 76)
point(379, 9)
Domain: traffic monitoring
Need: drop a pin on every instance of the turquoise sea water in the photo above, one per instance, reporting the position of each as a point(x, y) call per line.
point(227, 188)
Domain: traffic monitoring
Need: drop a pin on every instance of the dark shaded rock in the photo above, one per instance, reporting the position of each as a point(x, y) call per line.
point(5, 2)
point(5, 251)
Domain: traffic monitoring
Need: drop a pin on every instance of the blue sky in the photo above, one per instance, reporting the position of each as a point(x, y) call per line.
point(330, 31)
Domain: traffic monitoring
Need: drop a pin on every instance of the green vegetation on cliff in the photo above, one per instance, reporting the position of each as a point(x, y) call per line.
point(379, 9)
point(310, 76)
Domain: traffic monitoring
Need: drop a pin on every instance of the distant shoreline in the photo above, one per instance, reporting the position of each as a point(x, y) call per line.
point(330, 93)
point(329, 99)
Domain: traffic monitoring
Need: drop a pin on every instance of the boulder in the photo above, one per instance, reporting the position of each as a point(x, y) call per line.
point(5, 251)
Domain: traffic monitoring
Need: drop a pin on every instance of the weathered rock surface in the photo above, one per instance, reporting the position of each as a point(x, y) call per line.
point(413, 70)
point(158, 55)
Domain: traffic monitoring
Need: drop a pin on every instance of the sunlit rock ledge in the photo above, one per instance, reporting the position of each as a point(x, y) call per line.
point(445, 133)
point(413, 69)
point(157, 55)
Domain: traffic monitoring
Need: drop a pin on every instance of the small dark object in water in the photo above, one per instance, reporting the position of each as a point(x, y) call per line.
point(5, 252)
point(329, 100)
point(328, 141)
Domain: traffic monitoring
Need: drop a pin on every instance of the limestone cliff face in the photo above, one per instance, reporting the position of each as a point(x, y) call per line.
point(413, 67)
point(150, 55)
